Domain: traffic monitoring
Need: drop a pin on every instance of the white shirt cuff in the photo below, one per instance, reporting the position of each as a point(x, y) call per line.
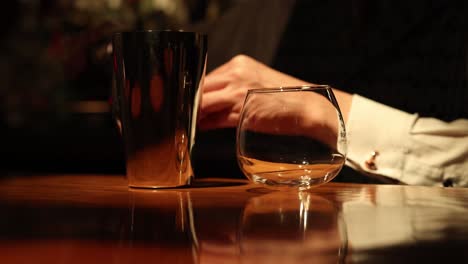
point(374, 127)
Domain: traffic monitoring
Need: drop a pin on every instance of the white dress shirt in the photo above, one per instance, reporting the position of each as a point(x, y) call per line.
point(384, 141)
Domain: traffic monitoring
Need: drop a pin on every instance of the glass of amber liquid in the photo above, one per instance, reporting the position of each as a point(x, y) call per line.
point(291, 136)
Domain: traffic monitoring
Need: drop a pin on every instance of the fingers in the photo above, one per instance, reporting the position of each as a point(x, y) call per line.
point(214, 82)
point(218, 79)
point(215, 101)
point(217, 120)
point(229, 72)
point(223, 94)
point(230, 97)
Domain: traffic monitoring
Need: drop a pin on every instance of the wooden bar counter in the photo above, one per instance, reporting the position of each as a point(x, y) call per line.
point(98, 219)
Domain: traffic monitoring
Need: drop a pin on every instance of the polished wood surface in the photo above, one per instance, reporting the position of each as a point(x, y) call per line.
point(98, 219)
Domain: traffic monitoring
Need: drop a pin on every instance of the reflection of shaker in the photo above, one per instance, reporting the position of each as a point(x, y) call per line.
point(158, 76)
point(291, 227)
point(160, 228)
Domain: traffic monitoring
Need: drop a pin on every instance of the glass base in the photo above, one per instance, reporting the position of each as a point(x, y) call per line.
point(300, 183)
point(159, 185)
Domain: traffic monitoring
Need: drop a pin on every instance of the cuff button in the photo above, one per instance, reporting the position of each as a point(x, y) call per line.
point(448, 183)
point(370, 162)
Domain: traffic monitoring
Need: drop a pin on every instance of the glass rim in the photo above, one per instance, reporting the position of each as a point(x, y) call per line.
point(290, 88)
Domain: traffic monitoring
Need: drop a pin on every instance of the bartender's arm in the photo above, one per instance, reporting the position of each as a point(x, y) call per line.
point(382, 141)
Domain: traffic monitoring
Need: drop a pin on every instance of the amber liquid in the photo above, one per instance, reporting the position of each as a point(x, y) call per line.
point(292, 174)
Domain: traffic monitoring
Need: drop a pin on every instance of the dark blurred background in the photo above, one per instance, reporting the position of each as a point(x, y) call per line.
point(55, 77)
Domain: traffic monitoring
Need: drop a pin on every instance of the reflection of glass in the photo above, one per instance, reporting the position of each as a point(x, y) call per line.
point(291, 136)
point(160, 228)
point(291, 227)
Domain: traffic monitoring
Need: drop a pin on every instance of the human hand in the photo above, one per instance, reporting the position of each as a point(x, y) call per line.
point(297, 111)
point(225, 89)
